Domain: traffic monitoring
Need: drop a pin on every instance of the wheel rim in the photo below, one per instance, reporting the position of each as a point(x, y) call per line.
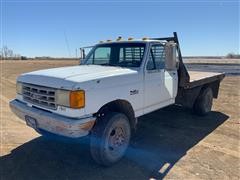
point(116, 138)
point(117, 141)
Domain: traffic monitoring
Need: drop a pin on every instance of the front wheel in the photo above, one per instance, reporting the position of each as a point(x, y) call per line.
point(110, 138)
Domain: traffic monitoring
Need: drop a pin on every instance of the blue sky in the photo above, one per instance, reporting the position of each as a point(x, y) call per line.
point(57, 28)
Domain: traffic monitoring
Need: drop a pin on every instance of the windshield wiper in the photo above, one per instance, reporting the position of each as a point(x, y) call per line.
point(107, 64)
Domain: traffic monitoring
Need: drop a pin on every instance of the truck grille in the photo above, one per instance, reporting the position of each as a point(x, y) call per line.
point(39, 95)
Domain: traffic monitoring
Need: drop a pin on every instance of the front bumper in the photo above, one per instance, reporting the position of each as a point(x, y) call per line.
point(53, 123)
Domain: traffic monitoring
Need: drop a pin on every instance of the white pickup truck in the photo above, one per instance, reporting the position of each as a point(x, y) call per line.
point(115, 84)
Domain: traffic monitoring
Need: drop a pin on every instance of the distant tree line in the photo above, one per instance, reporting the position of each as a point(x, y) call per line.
point(7, 53)
point(233, 56)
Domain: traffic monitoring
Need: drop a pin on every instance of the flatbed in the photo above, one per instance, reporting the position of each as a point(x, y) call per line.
point(200, 75)
point(198, 78)
point(198, 81)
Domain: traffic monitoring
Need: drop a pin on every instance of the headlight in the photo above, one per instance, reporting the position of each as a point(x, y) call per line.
point(72, 99)
point(19, 88)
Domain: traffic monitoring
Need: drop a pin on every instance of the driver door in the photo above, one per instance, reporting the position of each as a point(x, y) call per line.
point(156, 94)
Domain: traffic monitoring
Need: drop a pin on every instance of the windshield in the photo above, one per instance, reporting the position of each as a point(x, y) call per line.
point(117, 54)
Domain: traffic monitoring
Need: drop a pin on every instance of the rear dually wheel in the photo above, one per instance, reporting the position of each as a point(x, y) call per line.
point(203, 103)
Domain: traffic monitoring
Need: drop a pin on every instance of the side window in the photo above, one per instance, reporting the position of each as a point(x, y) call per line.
point(157, 57)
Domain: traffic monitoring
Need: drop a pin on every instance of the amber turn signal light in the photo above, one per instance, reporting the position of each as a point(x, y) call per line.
point(77, 99)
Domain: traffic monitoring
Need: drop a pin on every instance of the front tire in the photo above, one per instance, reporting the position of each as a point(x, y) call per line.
point(203, 103)
point(110, 138)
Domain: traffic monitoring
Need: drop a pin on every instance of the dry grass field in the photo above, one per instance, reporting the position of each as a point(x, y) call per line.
point(171, 143)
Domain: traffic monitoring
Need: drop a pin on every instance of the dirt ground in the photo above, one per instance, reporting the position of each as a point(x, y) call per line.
point(171, 143)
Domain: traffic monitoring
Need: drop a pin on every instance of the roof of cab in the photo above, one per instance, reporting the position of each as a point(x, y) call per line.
point(130, 41)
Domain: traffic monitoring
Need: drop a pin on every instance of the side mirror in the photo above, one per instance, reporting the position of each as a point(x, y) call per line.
point(82, 54)
point(171, 58)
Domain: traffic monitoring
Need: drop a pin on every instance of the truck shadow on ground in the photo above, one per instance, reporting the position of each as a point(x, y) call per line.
point(162, 139)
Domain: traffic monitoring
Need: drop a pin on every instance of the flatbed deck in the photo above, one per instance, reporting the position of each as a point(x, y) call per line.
point(199, 75)
point(198, 78)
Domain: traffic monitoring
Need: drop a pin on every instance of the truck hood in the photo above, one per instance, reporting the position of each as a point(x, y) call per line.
point(67, 77)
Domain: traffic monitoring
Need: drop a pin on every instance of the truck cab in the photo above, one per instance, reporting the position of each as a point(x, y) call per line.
point(116, 83)
point(147, 85)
